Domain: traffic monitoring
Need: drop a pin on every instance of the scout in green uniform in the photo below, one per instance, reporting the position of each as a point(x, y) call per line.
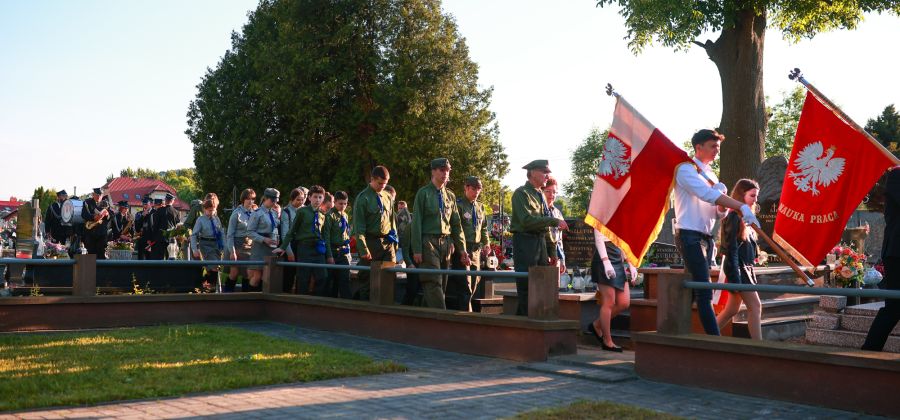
point(435, 223)
point(337, 241)
point(530, 225)
point(374, 226)
point(404, 220)
point(308, 235)
point(471, 211)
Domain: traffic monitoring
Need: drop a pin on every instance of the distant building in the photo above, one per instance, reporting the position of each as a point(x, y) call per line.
point(8, 210)
point(133, 190)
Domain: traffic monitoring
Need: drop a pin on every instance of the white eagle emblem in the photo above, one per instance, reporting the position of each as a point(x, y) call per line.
point(615, 161)
point(816, 169)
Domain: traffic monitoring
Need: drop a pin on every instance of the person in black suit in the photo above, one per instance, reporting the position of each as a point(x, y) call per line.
point(96, 210)
point(119, 226)
point(53, 222)
point(143, 227)
point(888, 316)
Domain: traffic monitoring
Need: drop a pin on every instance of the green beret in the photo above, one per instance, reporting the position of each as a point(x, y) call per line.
point(473, 181)
point(440, 163)
point(538, 164)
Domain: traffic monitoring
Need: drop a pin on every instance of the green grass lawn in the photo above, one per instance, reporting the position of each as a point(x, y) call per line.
point(51, 369)
point(594, 410)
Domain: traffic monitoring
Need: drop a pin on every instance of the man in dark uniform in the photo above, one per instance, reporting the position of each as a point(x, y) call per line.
point(143, 226)
point(888, 316)
point(172, 216)
point(95, 213)
point(120, 228)
point(157, 240)
point(53, 222)
point(530, 225)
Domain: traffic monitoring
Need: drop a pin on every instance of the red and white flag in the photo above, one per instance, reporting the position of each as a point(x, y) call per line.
point(832, 167)
point(634, 180)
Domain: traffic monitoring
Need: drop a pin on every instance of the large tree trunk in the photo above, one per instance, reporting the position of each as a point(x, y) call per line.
point(738, 55)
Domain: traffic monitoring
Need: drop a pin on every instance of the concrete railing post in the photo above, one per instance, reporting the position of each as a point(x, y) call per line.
point(273, 276)
point(543, 292)
point(673, 305)
point(381, 283)
point(84, 275)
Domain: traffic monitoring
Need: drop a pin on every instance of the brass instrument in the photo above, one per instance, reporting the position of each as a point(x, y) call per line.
point(128, 225)
point(91, 224)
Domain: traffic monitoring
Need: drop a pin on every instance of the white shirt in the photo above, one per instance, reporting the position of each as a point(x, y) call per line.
point(695, 199)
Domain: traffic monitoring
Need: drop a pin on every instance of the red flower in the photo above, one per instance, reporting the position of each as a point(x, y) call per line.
point(846, 251)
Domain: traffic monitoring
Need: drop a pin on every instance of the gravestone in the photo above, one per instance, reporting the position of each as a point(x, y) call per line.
point(771, 179)
point(664, 255)
point(578, 243)
point(25, 224)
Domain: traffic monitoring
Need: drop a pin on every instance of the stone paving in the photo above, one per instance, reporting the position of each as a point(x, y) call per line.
point(438, 385)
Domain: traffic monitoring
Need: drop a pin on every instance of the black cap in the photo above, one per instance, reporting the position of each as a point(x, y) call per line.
point(122, 203)
point(157, 201)
point(473, 181)
point(440, 163)
point(538, 164)
point(61, 192)
point(97, 191)
point(169, 196)
point(145, 200)
point(705, 135)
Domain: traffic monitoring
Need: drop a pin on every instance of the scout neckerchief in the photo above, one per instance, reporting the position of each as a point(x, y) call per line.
point(216, 234)
point(544, 204)
point(441, 201)
point(345, 227)
point(271, 219)
point(315, 226)
point(475, 215)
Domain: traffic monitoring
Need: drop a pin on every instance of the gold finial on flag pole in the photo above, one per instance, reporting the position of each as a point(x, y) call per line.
point(610, 91)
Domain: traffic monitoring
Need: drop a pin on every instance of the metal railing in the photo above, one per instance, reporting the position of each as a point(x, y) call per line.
point(44, 263)
point(326, 266)
point(822, 291)
point(176, 263)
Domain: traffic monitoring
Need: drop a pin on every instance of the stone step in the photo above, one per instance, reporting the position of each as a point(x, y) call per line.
point(775, 329)
point(861, 323)
point(849, 339)
point(825, 321)
point(866, 309)
point(605, 374)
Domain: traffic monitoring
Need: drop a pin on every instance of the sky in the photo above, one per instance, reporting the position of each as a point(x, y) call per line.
point(90, 87)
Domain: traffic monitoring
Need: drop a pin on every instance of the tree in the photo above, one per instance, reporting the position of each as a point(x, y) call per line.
point(782, 125)
point(46, 196)
point(585, 161)
point(316, 92)
point(886, 127)
point(738, 52)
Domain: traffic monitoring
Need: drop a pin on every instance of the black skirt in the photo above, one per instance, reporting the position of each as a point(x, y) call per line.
point(598, 273)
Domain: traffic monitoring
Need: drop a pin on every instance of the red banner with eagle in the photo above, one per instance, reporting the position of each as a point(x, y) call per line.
point(833, 165)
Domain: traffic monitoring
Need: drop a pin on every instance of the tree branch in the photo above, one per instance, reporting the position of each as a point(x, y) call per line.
point(705, 46)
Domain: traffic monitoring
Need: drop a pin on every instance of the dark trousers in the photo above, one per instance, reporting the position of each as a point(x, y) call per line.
point(307, 254)
point(339, 280)
point(413, 286)
point(158, 251)
point(290, 273)
point(141, 245)
point(96, 245)
point(887, 316)
point(697, 251)
point(529, 249)
point(380, 250)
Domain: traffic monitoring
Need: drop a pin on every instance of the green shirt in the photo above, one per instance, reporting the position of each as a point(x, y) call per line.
point(308, 226)
point(371, 217)
point(336, 233)
point(435, 213)
point(473, 222)
point(528, 212)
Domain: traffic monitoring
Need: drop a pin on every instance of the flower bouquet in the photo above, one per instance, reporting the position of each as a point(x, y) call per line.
point(849, 268)
point(178, 232)
point(55, 251)
point(120, 249)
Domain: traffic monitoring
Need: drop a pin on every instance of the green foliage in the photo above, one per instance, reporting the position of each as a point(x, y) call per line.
point(320, 92)
point(782, 125)
point(678, 24)
point(41, 370)
point(585, 161)
point(46, 196)
point(886, 127)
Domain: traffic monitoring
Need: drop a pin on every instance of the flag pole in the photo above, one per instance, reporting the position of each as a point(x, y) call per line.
point(795, 74)
point(778, 250)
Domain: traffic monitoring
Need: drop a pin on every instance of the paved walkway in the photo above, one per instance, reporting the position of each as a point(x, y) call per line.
point(439, 385)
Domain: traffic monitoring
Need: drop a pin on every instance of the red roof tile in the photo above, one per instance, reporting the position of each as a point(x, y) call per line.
point(134, 187)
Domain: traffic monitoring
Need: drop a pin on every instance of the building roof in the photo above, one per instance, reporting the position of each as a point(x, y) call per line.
point(134, 189)
point(11, 204)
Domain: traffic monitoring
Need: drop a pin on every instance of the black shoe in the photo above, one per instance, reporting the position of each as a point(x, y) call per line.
point(596, 334)
point(616, 349)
